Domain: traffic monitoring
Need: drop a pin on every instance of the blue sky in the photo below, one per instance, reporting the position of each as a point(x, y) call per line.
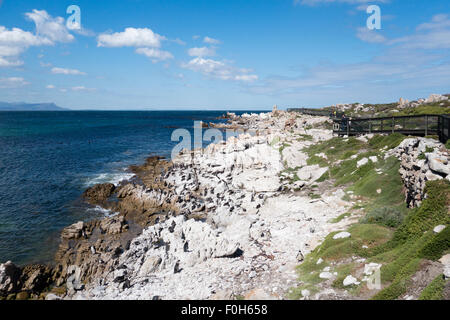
point(247, 54)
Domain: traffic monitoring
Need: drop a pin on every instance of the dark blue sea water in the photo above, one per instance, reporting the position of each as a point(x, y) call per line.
point(47, 159)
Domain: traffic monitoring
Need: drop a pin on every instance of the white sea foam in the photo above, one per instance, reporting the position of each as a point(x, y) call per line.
point(106, 212)
point(113, 177)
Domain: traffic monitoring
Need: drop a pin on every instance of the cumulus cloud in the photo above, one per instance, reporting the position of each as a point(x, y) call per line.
point(65, 71)
point(49, 27)
point(15, 41)
point(201, 52)
point(147, 42)
point(211, 40)
point(219, 70)
point(155, 55)
point(131, 37)
point(12, 82)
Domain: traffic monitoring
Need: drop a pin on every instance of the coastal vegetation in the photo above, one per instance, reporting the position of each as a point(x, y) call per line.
point(385, 231)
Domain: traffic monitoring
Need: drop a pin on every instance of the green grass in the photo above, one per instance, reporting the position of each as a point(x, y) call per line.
point(434, 291)
point(284, 146)
point(341, 217)
point(335, 149)
point(398, 237)
point(434, 108)
point(385, 216)
point(415, 240)
point(304, 137)
point(389, 141)
point(343, 271)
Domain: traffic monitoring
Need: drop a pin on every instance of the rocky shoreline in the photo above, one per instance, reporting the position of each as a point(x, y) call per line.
point(229, 221)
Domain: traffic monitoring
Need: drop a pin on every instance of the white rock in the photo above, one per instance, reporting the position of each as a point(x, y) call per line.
point(438, 163)
point(52, 296)
point(447, 271)
point(341, 235)
point(319, 261)
point(325, 275)
point(370, 268)
point(438, 228)
point(306, 293)
point(374, 159)
point(349, 280)
point(362, 162)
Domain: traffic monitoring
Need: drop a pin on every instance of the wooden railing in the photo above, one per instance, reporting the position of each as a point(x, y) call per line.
point(421, 125)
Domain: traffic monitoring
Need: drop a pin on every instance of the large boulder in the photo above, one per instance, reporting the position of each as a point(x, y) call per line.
point(99, 193)
point(311, 173)
point(35, 278)
point(74, 231)
point(439, 163)
point(9, 278)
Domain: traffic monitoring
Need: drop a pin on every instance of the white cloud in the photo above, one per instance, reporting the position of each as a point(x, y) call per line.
point(211, 40)
point(155, 55)
point(219, 70)
point(179, 41)
point(50, 28)
point(131, 37)
point(439, 21)
point(12, 82)
point(82, 88)
point(15, 41)
point(65, 71)
point(370, 35)
point(146, 41)
point(428, 36)
point(202, 52)
point(10, 63)
point(415, 63)
point(19, 38)
point(50, 86)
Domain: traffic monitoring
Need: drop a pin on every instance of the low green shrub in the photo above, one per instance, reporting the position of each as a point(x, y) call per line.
point(385, 216)
point(437, 246)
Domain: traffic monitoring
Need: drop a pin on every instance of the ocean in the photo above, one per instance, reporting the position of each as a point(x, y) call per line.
point(47, 160)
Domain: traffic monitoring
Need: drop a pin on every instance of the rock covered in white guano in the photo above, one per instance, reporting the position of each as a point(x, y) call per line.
point(234, 230)
point(422, 160)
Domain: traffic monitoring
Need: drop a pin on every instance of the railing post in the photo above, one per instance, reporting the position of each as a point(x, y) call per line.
point(381, 125)
point(348, 127)
point(426, 125)
point(393, 124)
point(370, 127)
point(440, 131)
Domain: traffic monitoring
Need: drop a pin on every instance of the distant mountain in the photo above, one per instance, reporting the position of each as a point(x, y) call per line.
point(22, 106)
